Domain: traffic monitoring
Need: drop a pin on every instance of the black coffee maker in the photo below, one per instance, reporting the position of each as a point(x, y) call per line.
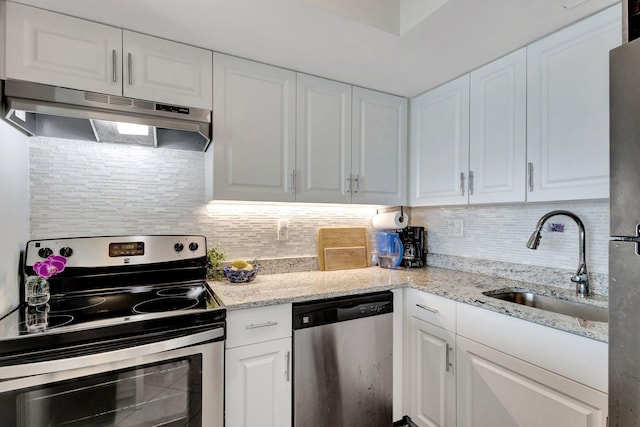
point(414, 251)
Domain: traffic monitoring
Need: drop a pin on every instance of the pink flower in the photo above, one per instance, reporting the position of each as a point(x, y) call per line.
point(52, 265)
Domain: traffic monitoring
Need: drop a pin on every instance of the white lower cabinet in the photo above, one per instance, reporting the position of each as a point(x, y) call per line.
point(467, 366)
point(430, 375)
point(258, 367)
point(495, 389)
point(258, 385)
point(432, 388)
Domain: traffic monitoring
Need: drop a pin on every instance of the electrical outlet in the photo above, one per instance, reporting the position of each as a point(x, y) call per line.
point(455, 228)
point(283, 229)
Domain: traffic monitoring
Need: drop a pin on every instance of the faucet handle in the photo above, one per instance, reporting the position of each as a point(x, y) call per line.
point(579, 278)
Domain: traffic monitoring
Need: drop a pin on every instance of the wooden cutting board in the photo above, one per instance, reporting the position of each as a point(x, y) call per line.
point(343, 248)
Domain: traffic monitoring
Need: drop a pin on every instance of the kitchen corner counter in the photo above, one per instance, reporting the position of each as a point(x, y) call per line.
point(457, 285)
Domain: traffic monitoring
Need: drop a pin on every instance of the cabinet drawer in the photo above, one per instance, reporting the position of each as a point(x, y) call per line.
point(431, 308)
point(258, 325)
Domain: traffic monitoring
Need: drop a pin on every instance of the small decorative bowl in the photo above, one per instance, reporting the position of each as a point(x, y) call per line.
point(240, 276)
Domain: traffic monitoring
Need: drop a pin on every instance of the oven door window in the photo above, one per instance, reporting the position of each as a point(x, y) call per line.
point(168, 393)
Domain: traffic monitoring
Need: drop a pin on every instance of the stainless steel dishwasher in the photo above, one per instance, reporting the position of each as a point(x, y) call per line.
point(343, 362)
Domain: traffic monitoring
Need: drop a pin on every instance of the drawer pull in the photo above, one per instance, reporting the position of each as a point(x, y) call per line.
point(114, 62)
point(424, 307)
point(448, 363)
point(288, 366)
point(261, 325)
point(130, 68)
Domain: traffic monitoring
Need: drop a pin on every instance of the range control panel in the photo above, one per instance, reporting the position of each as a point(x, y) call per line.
point(117, 250)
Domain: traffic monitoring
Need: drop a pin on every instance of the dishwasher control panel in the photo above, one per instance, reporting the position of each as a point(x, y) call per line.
point(316, 313)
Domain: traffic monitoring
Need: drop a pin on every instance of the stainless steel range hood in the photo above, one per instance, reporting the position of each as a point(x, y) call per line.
point(42, 110)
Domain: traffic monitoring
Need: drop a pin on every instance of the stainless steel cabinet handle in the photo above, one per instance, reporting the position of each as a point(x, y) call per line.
point(448, 358)
point(288, 367)
point(293, 181)
point(357, 181)
point(530, 175)
point(471, 183)
point(424, 307)
point(130, 68)
point(114, 65)
point(462, 183)
point(261, 325)
point(349, 183)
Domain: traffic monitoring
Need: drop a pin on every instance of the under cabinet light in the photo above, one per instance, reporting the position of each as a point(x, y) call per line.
point(132, 129)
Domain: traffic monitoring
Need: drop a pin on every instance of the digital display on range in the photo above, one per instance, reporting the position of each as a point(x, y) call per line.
point(126, 249)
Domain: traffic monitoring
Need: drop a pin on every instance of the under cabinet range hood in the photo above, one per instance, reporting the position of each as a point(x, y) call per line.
point(43, 110)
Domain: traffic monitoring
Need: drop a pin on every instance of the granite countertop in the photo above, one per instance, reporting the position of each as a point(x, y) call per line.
point(271, 289)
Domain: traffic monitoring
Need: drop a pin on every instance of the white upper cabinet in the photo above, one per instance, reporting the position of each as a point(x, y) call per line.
point(59, 50)
point(568, 110)
point(534, 124)
point(323, 145)
point(166, 71)
point(253, 132)
point(439, 147)
point(497, 141)
point(468, 142)
point(281, 136)
point(379, 148)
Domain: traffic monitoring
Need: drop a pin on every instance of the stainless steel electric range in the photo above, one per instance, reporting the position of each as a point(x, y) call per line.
point(131, 335)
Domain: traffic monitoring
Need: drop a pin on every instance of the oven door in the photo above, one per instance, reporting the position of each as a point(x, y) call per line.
point(177, 382)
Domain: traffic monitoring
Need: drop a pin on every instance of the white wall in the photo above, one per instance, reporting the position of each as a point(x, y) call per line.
point(14, 212)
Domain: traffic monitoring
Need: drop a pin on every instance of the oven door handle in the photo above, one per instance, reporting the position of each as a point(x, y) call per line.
point(58, 365)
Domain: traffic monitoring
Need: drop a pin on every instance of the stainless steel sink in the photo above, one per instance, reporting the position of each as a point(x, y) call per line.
point(556, 305)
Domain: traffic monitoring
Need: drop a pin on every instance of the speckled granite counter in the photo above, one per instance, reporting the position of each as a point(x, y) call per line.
point(462, 287)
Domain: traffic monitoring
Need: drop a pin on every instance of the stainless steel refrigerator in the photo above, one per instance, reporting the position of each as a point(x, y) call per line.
point(624, 247)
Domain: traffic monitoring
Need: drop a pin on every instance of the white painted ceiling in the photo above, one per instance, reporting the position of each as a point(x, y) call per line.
point(458, 37)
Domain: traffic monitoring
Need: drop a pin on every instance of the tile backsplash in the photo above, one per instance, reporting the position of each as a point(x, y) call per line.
point(500, 233)
point(84, 188)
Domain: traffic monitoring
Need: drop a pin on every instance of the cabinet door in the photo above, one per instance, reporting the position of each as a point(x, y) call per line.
point(439, 149)
point(59, 50)
point(432, 389)
point(253, 131)
point(323, 144)
point(498, 127)
point(568, 110)
point(166, 71)
point(379, 148)
point(495, 389)
point(258, 385)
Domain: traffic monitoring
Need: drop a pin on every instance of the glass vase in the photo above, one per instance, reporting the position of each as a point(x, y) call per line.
point(37, 291)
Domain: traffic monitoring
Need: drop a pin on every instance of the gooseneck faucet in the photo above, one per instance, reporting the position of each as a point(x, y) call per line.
point(581, 278)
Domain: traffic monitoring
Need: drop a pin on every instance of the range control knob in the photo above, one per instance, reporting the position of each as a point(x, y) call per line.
point(178, 247)
point(193, 246)
point(66, 251)
point(45, 252)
